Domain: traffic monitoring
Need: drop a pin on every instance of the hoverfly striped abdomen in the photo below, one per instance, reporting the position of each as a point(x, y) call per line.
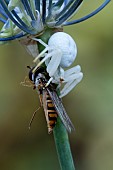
point(51, 114)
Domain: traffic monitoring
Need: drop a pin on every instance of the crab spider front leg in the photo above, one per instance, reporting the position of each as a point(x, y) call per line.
point(53, 63)
point(54, 54)
point(43, 52)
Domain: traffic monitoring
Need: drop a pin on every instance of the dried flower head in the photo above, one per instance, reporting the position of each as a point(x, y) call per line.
point(31, 17)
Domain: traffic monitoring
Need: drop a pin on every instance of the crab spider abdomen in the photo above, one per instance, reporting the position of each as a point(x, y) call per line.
point(63, 42)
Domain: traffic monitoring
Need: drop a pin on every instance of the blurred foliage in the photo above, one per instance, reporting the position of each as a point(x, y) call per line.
point(89, 105)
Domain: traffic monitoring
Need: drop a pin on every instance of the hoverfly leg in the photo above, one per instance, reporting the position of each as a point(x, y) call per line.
point(32, 118)
point(34, 87)
point(26, 82)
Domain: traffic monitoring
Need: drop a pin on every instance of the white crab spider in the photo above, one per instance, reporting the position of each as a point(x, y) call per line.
point(61, 54)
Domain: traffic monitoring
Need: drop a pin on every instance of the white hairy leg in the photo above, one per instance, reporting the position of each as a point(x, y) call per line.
point(54, 54)
point(70, 85)
point(75, 69)
point(54, 62)
point(71, 77)
point(44, 51)
point(43, 60)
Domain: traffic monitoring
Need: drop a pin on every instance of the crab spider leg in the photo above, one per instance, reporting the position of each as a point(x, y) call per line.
point(62, 72)
point(80, 75)
point(44, 51)
point(43, 60)
point(40, 41)
point(69, 86)
point(72, 70)
point(40, 55)
point(54, 63)
point(64, 91)
point(72, 77)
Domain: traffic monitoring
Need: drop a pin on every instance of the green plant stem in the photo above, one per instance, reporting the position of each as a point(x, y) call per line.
point(60, 133)
point(63, 146)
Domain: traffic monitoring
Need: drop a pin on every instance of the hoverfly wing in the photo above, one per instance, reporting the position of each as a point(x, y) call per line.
point(44, 103)
point(61, 110)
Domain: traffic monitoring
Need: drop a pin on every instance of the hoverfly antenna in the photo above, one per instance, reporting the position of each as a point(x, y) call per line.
point(29, 67)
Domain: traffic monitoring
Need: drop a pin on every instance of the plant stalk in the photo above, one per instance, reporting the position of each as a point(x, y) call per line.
point(63, 146)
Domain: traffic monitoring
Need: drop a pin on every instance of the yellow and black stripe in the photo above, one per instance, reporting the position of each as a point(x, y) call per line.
point(52, 114)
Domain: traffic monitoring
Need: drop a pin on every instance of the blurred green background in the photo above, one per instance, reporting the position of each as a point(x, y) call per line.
point(89, 105)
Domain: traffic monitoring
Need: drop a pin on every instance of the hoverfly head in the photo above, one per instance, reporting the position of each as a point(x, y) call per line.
point(34, 75)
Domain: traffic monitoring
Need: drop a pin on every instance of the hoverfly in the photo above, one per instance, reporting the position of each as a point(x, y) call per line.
point(49, 99)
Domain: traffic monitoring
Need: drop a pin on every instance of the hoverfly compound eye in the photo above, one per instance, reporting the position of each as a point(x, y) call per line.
point(31, 75)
